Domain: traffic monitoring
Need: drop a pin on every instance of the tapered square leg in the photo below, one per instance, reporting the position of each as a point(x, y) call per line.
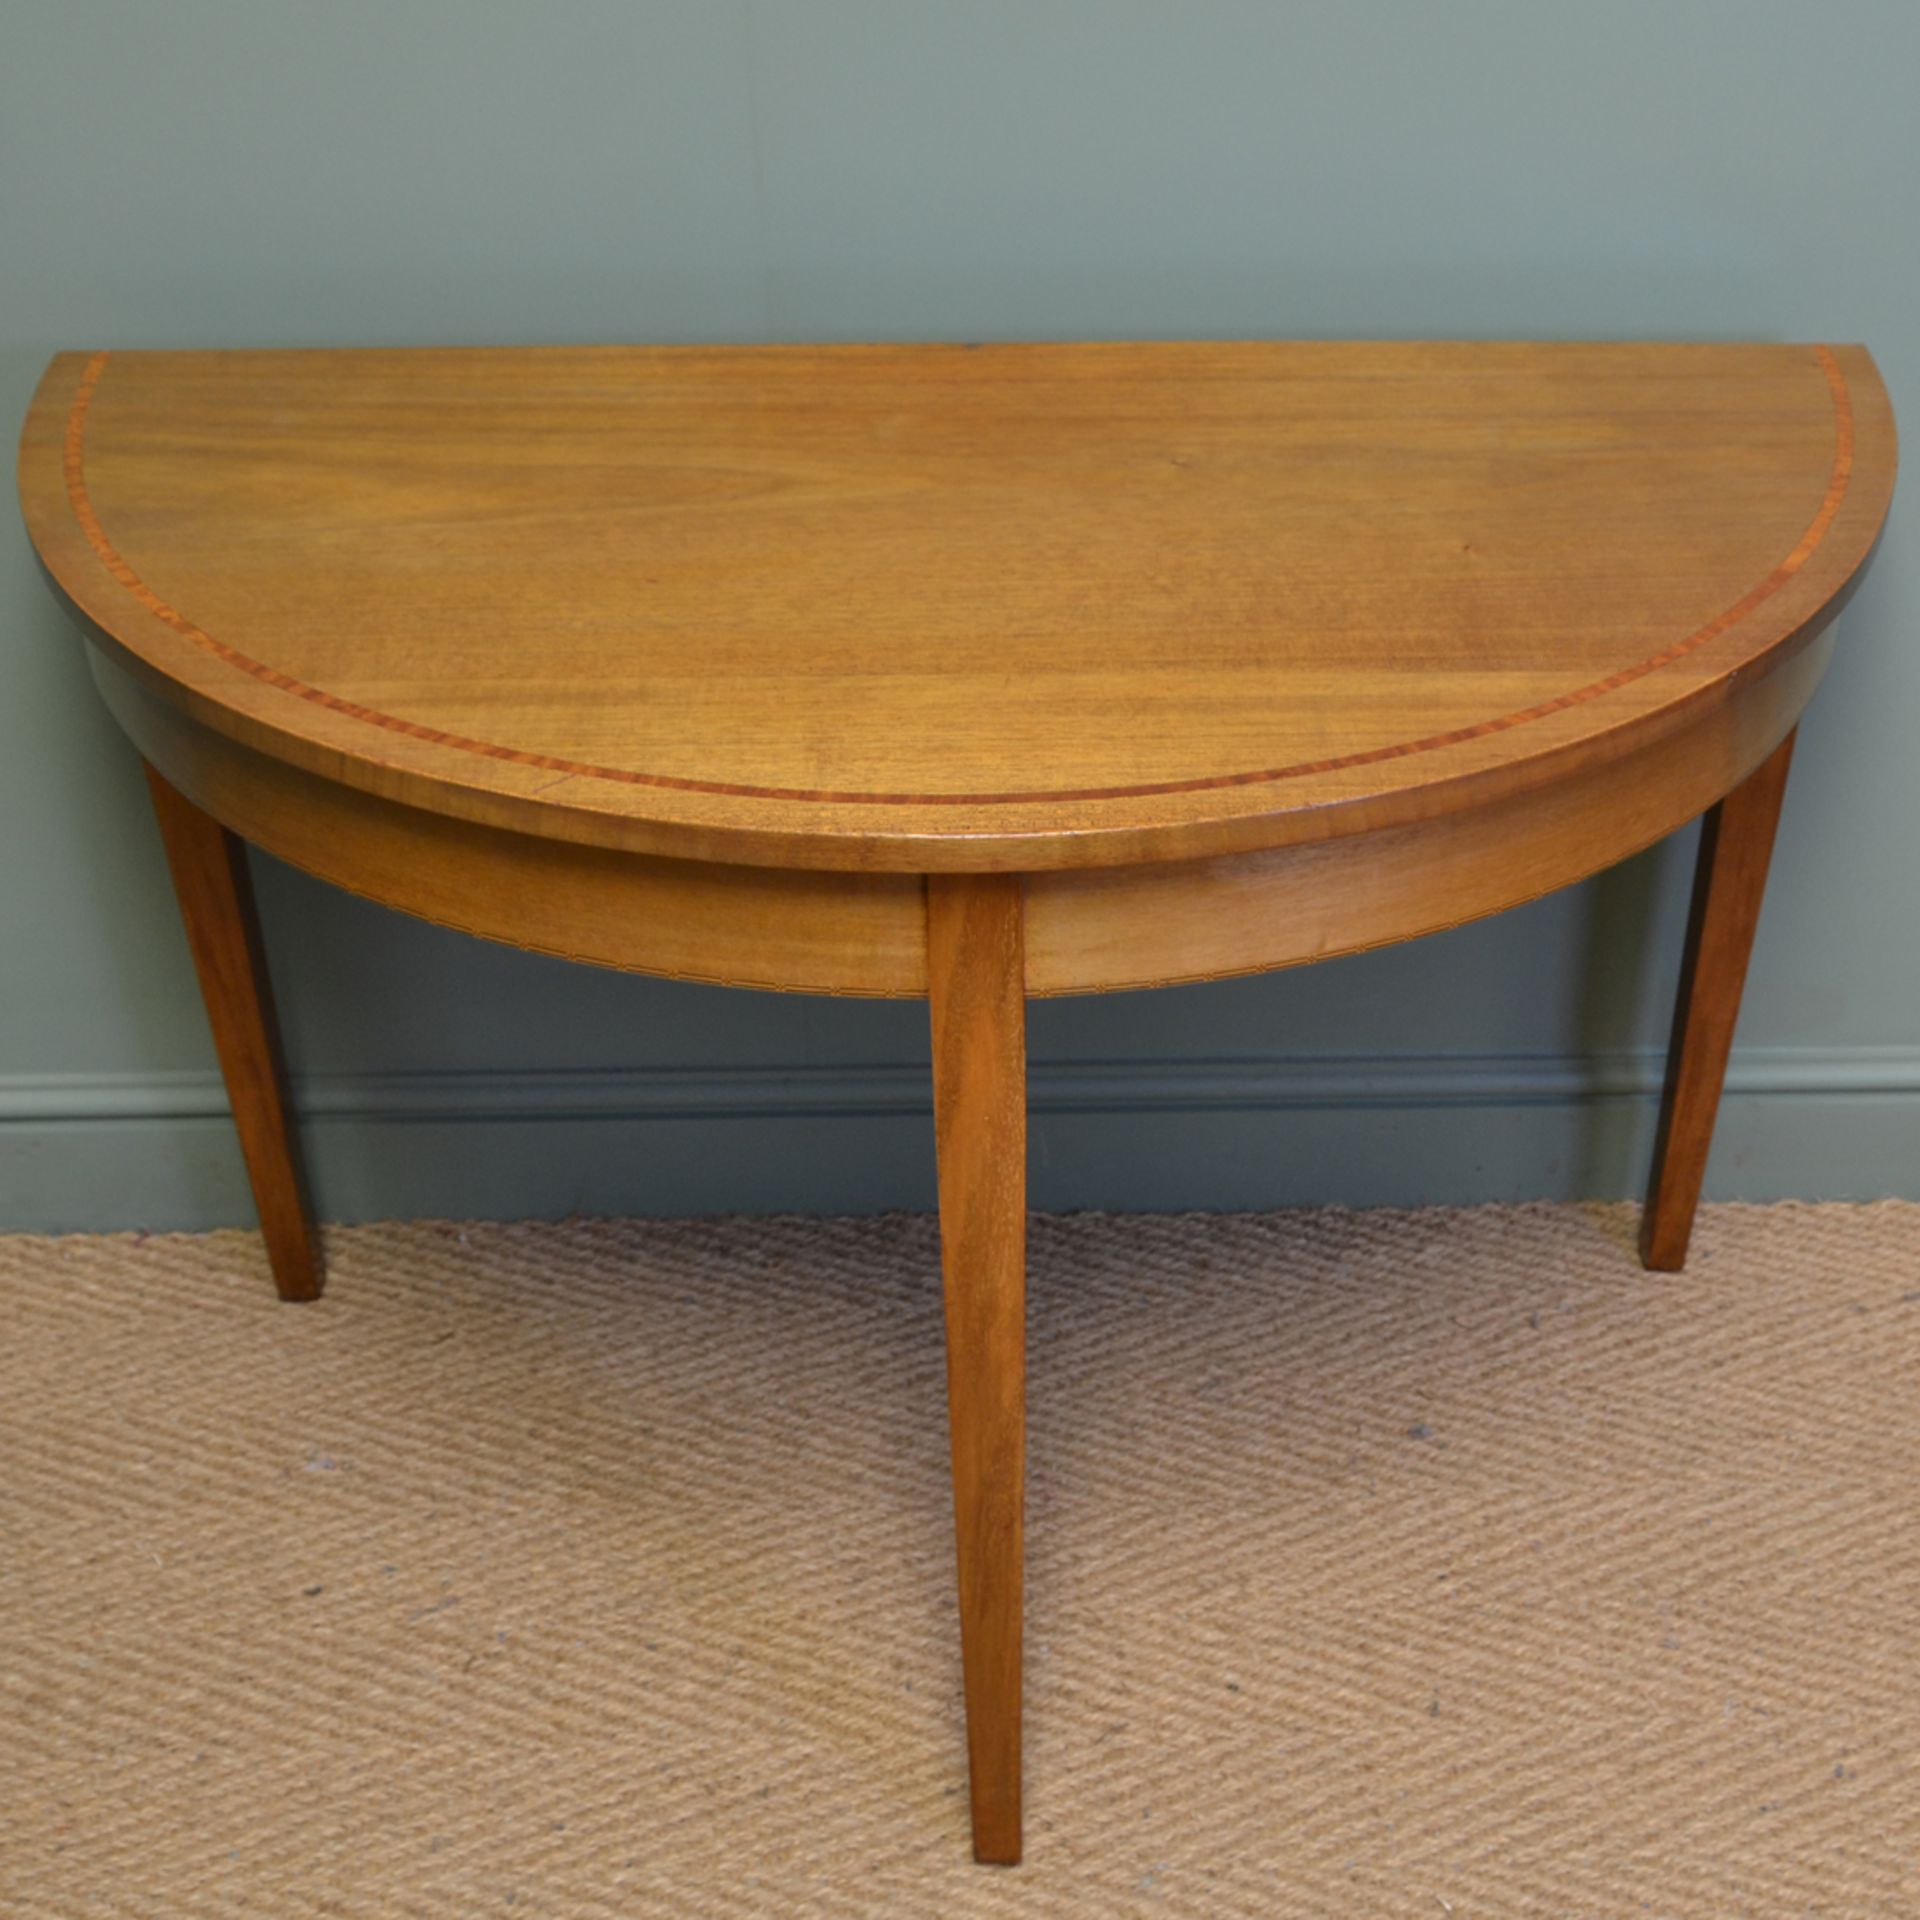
point(211, 882)
point(977, 989)
point(1736, 847)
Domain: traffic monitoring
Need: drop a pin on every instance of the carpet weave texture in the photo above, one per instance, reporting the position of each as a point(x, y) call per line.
point(1380, 1563)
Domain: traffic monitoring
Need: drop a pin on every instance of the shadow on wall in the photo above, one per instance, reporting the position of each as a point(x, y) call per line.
point(1628, 977)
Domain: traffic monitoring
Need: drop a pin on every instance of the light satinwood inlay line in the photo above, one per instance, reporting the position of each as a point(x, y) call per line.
point(110, 557)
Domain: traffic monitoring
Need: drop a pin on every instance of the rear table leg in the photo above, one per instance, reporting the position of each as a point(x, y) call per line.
point(216, 901)
point(1736, 845)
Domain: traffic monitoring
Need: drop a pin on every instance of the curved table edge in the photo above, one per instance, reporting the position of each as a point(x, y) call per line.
point(113, 620)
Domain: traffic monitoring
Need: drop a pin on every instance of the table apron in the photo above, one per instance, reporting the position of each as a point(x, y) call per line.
point(1087, 931)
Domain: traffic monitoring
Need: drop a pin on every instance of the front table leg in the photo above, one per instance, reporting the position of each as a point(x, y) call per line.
point(976, 981)
point(1736, 845)
point(216, 902)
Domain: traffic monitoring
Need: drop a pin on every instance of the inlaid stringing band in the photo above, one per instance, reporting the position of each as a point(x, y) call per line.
point(110, 558)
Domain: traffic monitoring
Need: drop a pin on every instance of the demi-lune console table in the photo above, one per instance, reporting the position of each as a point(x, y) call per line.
point(970, 673)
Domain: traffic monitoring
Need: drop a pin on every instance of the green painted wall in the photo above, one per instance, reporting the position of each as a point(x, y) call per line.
point(220, 172)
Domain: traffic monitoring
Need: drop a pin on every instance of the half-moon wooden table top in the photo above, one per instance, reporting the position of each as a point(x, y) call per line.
point(972, 672)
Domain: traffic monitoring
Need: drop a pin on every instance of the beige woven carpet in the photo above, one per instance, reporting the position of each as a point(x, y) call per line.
point(1381, 1564)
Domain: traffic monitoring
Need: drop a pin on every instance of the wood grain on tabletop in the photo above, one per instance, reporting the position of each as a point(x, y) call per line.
point(930, 607)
